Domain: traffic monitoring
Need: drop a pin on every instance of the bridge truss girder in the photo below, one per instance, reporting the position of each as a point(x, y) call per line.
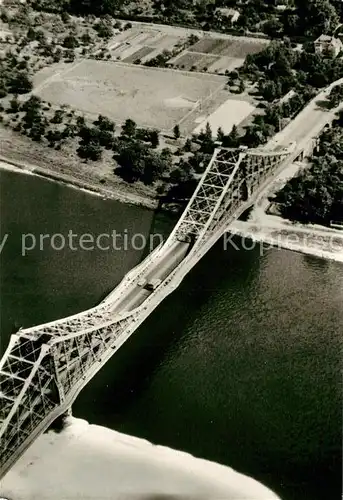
point(38, 375)
point(220, 188)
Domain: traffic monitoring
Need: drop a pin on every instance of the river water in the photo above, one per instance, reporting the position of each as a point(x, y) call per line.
point(240, 365)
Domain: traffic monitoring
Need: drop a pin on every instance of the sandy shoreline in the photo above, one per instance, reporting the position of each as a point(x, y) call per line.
point(313, 240)
point(91, 462)
point(124, 197)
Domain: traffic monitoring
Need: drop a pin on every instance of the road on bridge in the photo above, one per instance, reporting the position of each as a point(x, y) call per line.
point(136, 294)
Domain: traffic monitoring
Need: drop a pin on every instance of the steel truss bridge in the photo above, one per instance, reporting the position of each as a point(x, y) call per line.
point(46, 366)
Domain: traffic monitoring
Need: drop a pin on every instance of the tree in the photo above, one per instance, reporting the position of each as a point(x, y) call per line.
point(154, 167)
point(80, 122)
point(14, 105)
point(57, 55)
point(33, 104)
point(269, 89)
point(58, 116)
point(103, 29)
point(317, 17)
point(65, 17)
point(241, 86)
point(220, 134)
point(286, 109)
point(31, 34)
point(131, 160)
point(234, 136)
point(208, 132)
point(129, 128)
point(3, 90)
point(104, 123)
point(188, 145)
point(176, 132)
point(105, 138)
point(273, 115)
point(179, 175)
point(273, 27)
point(154, 138)
point(206, 138)
point(20, 83)
point(37, 131)
point(336, 96)
point(90, 150)
point(296, 103)
point(70, 42)
point(69, 55)
point(253, 136)
point(86, 38)
point(53, 136)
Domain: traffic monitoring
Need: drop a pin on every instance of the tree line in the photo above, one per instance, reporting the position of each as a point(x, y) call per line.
point(316, 195)
point(309, 18)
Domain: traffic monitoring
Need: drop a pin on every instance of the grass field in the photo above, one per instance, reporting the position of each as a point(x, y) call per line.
point(231, 112)
point(152, 97)
point(224, 63)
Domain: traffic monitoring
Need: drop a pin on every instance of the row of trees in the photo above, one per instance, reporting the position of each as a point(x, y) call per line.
point(299, 18)
point(134, 149)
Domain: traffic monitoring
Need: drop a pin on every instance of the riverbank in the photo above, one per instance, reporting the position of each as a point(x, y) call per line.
point(89, 461)
point(19, 154)
point(308, 239)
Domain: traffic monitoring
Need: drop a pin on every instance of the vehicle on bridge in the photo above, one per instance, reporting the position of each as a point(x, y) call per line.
point(153, 284)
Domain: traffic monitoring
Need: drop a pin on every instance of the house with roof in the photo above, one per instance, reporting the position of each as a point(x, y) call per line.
point(229, 13)
point(327, 44)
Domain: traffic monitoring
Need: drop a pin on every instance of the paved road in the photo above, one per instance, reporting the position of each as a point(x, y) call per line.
point(135, 294)
point(308, 123)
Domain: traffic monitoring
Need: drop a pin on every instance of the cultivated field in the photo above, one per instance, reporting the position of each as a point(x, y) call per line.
point(156, 98)
point(217, 55)
point(142, 44)
point(234, 47)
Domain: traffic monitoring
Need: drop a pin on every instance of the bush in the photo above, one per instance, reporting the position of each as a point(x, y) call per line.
point(20, 83)
point(70, 42)
point(103, 30)
point(89, 151)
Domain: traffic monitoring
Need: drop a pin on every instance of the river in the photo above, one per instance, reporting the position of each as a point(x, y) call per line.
point(240, 365)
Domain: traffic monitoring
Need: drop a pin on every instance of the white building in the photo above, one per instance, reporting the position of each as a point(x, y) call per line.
point(327, 44)
point(228, 13)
